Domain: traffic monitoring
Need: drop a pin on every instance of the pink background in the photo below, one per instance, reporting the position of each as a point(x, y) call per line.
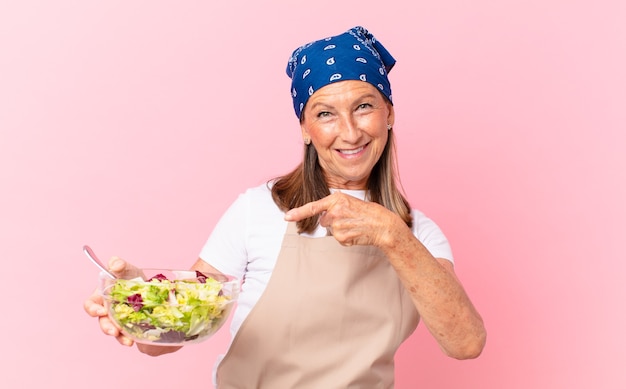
point(132, 125)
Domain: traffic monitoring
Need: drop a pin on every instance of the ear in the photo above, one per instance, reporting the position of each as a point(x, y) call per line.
point(391, 117)
point(305, 133)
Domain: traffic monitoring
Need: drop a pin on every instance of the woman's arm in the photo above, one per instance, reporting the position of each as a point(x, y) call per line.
point(435, 290)
point(437, 294)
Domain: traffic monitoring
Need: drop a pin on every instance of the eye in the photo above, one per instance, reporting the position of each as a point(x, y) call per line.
point(364, 106)
point(323, 114)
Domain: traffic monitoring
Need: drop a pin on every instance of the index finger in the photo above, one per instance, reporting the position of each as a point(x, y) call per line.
point(307, 210)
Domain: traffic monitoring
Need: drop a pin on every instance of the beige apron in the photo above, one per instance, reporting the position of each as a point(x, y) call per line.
point(330, 317)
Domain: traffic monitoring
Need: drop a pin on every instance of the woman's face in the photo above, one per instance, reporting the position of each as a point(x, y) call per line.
point(347, 124)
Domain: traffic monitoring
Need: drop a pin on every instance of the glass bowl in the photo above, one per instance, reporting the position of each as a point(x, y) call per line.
point(170, 307)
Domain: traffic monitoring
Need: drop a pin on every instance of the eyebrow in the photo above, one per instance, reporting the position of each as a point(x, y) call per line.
point(318, 104)
point(368, 95)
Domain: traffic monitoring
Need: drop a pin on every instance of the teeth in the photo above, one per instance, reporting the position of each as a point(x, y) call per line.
point(353, 151)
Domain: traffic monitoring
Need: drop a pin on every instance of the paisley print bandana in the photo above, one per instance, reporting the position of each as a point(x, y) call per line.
point(353, 55)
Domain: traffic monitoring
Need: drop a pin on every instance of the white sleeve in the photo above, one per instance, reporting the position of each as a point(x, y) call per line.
point(225, 249)
point(431, 236)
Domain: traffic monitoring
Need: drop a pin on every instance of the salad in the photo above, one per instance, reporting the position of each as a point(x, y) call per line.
point(167, 311)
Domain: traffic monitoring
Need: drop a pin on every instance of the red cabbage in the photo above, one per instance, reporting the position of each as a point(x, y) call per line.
point(135, 301)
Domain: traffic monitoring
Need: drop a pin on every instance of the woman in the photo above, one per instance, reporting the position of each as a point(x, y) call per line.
point(337, 268)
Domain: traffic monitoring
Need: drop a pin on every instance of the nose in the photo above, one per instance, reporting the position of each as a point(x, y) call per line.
point(349, 129)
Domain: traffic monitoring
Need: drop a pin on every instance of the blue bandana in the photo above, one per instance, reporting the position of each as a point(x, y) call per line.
point(353, 55)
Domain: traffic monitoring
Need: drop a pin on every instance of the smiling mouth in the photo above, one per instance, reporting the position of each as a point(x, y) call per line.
point(352, 151)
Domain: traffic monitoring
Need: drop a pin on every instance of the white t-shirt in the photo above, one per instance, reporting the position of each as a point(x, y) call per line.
point(247, 239)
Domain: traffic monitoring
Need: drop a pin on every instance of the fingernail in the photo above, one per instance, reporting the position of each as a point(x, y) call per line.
point(111, 331)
